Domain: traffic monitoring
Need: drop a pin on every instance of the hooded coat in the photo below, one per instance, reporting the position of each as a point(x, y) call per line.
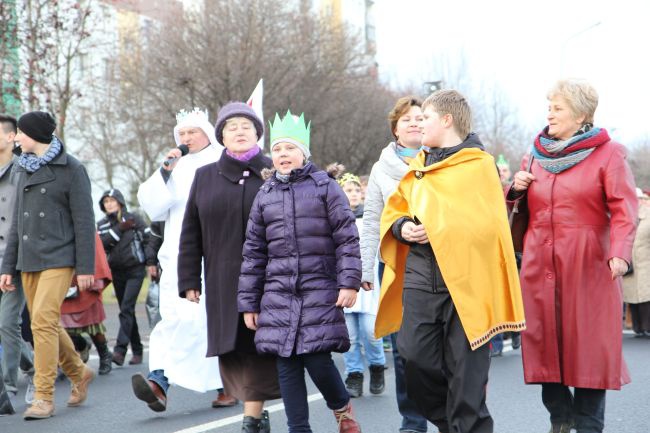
point(125, 249)
point(384, 178)
point(301, 247)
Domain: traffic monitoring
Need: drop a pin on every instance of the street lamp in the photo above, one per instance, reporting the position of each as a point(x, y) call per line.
point(570, 38)
point(432, 86)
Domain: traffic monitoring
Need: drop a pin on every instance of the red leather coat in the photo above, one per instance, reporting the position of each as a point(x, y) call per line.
point(579, 219)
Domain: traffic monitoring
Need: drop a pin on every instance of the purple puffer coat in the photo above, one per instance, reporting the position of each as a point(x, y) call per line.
point(301, 247)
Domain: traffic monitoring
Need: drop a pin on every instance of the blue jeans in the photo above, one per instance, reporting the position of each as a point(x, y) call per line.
point(361, 327)
point(412, 421)
point(326, 377)
point(159, 377)
point(497, 343)
point(15, 350)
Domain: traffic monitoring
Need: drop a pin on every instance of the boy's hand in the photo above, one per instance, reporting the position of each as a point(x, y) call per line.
point(414, 233)
point(85, 282)
point(6, 284)
point(367, 286)
point(347, 298)
point(250, 319)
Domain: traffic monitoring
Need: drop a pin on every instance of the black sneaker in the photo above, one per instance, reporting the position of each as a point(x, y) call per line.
point(377, 383)
point(354, 384)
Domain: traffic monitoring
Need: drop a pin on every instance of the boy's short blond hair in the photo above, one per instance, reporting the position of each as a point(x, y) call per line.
point(581, 97)
point(452, 102)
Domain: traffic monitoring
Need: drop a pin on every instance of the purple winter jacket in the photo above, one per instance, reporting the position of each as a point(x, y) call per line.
point(301, 247)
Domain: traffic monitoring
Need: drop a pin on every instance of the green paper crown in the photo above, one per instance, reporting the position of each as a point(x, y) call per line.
point(291, 128)
point(502, 161)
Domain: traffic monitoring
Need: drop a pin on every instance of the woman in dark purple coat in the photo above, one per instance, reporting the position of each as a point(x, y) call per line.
point(213, 233)
point(301, 266)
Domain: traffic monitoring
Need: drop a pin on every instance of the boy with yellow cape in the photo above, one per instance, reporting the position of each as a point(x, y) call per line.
point(450, 282)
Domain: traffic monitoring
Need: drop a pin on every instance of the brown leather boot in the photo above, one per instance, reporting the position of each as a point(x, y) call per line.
point(224, 400)
point(345, 419)
point(79, 390)
point(40, 409)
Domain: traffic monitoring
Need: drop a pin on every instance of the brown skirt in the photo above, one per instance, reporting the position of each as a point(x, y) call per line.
point(249, 377)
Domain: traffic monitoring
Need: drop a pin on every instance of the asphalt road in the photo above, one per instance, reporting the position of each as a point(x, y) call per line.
point(515, 407)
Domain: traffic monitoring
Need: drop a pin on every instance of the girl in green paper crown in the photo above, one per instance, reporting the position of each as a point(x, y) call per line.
point(301, 266)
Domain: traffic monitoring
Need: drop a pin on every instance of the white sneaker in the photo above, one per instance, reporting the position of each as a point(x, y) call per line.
point(29, 393)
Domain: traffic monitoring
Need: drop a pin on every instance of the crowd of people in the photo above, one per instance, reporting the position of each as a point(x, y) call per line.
point(267, 264)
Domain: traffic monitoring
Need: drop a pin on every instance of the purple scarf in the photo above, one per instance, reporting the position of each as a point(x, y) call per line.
point(246, 156)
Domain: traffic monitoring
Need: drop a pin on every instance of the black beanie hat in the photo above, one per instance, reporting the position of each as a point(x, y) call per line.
point(37, 125)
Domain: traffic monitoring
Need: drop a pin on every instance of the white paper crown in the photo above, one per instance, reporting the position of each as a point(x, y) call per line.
point(196, 114)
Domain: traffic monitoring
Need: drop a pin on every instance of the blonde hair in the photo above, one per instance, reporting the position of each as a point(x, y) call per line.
point(402, 106)
point(581, 97)
point(452, 102)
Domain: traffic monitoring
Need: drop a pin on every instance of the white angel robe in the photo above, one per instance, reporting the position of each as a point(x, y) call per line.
point(178, 343)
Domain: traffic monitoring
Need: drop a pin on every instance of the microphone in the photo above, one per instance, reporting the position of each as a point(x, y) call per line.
point(184, 150)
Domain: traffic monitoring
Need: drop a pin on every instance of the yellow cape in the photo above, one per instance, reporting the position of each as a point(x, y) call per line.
point(460, 202)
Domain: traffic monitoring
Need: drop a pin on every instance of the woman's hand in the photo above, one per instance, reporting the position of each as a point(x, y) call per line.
point(250, 319)
point(522, 180)
point(414, 233)
point(618, 267)
point(347, 298)
point(193, 295)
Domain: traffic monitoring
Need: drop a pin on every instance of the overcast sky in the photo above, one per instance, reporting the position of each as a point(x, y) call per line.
point(524, 46)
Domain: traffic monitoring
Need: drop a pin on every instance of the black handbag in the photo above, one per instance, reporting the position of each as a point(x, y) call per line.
point(137, 249)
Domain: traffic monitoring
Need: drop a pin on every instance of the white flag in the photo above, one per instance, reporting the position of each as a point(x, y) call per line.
point(255, 102)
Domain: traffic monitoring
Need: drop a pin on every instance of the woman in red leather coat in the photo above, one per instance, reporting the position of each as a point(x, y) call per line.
point(581, 197)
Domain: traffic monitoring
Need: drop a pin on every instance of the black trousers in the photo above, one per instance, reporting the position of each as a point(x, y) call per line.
point(326, 377)
point(127, 284)
point(585, 407)
point(444, 377)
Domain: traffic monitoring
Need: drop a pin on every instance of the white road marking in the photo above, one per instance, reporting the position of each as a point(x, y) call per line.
point(238, 418)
